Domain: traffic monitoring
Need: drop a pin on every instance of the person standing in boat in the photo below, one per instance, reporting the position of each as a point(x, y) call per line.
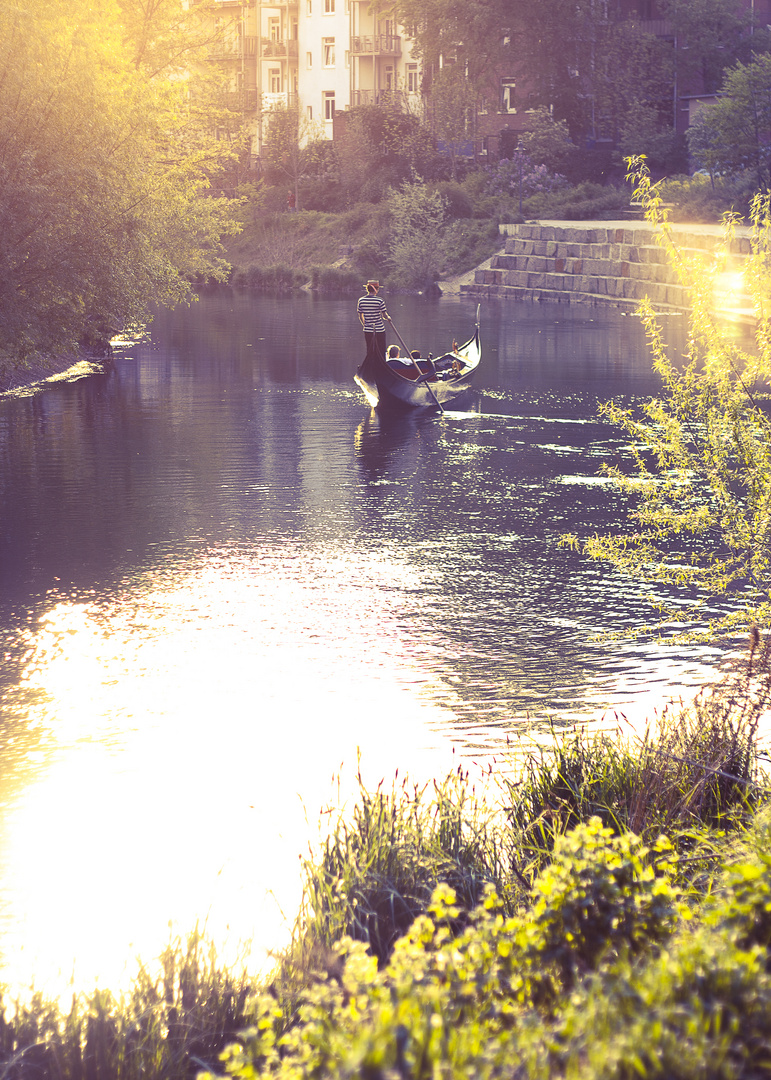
point(372, 313)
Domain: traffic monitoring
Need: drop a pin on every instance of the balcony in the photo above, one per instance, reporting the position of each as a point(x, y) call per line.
point(397, 100)
point(376, 45)
point(285, 100)
point(279, 50)
point(226, 50)
point(243, 100)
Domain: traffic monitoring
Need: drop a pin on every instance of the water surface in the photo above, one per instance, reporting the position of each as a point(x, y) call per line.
point(224, 581)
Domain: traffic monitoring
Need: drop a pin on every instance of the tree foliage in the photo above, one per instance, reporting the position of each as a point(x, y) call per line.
point(734, 133)
point(379, 148)
point(591, 64)
point(102, 178)
point(293, 147)
point(417, 244)
point(701, 485)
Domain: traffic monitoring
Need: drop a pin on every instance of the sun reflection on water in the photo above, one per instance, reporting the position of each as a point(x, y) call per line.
point(188, 735)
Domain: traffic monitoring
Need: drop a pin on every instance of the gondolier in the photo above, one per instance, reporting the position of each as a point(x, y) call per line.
point(372, 313)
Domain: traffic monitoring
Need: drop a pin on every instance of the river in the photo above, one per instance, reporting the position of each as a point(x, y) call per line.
point(224, 581)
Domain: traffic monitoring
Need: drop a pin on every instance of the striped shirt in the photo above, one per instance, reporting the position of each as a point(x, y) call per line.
point(373, 309)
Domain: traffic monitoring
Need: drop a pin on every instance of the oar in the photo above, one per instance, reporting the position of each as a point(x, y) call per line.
point(417, 365)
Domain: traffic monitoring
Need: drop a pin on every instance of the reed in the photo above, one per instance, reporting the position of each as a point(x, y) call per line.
point(377, 870)
point(696, 768)
point(171, 1024)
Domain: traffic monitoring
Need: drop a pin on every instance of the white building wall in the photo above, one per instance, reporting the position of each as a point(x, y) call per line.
point(324, 60)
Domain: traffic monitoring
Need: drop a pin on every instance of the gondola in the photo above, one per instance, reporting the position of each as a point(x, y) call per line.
point(423, 383)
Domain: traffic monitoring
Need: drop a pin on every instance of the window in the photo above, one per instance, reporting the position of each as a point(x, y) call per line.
point(508, 95)
point(310, 112)
point(328, 51)
point(329, 104)
point(389, 78)
point(309, 60)
point(309, 7)
point(274, 78)
point(274, 29)
point(347, 58)
point(329, 7)
point(412, 79)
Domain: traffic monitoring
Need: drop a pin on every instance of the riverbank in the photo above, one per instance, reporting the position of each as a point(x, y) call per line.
point(18, 378)
point(443, 933)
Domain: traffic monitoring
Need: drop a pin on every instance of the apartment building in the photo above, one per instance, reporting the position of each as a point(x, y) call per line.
point(326, 56)
point(321, 55)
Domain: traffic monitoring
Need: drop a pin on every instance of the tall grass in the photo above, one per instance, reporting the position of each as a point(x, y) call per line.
point(692, 772)
point(169, 1026)
point(377, 870)
point(695, 768)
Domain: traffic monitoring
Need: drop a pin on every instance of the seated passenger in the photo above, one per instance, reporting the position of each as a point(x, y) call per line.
point(392, 355)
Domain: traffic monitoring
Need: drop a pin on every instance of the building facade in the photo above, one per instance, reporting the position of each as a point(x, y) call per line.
point(322, 56)
point(327, 56)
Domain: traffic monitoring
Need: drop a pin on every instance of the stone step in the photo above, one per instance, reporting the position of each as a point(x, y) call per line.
point(611, 262)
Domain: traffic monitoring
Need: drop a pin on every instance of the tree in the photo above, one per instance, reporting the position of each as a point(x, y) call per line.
point(471, 36)
point(417, 245)
point(292, 147)
point(101, 200)
point(734, 134)
point(701, 485)
point(379, 148)
point(547, 141)
point(711, 36)
point(451, 109)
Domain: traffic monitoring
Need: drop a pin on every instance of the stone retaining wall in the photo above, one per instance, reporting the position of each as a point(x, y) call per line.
point(616, 263)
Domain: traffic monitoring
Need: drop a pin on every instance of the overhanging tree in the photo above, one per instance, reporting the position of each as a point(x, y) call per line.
point(102, 211)
point(700, 490)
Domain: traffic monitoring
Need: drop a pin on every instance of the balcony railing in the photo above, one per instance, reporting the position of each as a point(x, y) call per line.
point(387, 99)
point(376, 45)
point(243, 100)
point(286, 99)
point(279, 49)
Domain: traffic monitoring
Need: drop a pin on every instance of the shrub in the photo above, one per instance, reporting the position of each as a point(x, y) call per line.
point(271, 279)
point(456, 199)
point(333, 279)
point(700, 198)
point(585, 202)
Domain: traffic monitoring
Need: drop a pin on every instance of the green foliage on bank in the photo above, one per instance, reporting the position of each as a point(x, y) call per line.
point(699, 522)
point(512, 925)
point(613, 961)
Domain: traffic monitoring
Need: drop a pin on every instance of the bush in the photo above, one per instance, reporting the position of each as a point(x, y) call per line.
point(456, 199)
point(699, 198)
point(332, 279)
point(585, 202)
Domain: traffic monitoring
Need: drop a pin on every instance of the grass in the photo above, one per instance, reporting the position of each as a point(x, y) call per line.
point(170, 1025)
point(378, 870)
point(696, 768)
